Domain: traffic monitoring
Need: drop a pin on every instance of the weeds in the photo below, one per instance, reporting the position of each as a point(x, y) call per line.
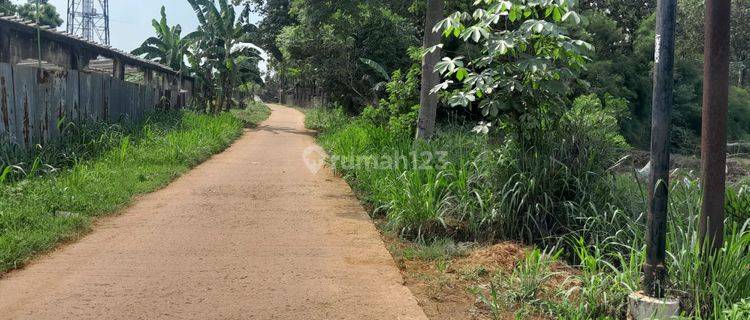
point(520, 290)
point(561, 190)
point(255, 113)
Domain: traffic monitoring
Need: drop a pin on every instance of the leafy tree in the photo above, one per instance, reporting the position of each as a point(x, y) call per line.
point(526, 66)
point(7, 8)
point(168, 47)
point(276, 17)
point(48, 15)
point(606, 73)
point(628, 14)
point(690, 34)
point(325, 47)
point(223, 51)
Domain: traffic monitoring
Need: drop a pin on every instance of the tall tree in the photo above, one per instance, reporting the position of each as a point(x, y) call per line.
point(48, 15)
point(7, 8)
point(628, 14)
point(276, 16)
point(347, 30)
point(168, 47)
point(224, 41)
point(430, 78)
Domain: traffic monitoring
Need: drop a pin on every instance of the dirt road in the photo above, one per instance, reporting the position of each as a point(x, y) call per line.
point(250, 234)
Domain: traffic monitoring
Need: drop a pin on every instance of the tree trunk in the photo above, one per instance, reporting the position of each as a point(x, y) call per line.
point(428, 102)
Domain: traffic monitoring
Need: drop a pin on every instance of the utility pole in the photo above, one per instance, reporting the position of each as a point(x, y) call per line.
point(655, 273)
point(714, 127)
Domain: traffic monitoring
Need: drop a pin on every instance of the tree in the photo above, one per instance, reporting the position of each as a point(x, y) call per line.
point(222, 46)
point(323, 49)
point(428, 99)
point(168, 47)
point(7, 8)
point(276, 17)
point(628, 14)
point(48, 15)
point(525, 68)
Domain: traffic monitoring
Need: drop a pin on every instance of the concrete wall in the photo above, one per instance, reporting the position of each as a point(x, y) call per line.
point(34, 102)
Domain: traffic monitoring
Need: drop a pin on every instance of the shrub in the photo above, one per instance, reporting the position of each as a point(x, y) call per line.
point(400, 109)
point(481, 191)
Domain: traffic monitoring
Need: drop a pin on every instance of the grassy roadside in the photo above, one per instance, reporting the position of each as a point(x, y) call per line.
point(485, 195)
point(254, 114)
point(41, 211)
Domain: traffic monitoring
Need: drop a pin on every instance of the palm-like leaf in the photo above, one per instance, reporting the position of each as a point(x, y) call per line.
point(217, 63)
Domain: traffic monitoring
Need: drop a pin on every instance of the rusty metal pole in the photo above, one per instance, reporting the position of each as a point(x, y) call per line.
point(714, 128)
point(654, 270)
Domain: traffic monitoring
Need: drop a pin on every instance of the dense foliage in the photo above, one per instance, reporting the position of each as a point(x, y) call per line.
point(302, 36)
point(48, 15)
point(168, 47)
point(324, 49)
point(219, 54)
point(525, 68)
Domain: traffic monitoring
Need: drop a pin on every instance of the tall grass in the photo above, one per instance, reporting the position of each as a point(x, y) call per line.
point(253, 114)
point(562, 190)
point(101, 174)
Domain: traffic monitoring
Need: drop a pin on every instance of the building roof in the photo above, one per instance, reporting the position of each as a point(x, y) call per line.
point(26, 26)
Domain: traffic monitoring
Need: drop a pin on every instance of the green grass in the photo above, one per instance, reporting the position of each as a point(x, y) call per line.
point(254, 114)
point(39, 211)
point(555, 192)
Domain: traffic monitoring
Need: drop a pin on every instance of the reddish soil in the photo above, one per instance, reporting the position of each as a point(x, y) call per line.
point(444, 289)
point(250, 234)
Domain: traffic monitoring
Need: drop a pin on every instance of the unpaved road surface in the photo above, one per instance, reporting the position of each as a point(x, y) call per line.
point(250, 234)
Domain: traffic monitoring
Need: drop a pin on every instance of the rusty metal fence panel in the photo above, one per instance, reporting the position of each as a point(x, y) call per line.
point(7, 103)
point(72, 110)
point(24, 84)
point(36, 106)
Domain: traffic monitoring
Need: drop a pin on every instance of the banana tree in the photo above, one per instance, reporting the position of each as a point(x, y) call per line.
point(223, 45)
point(167, 47)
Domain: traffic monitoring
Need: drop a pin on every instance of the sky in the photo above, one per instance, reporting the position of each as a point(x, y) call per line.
point(130, 20)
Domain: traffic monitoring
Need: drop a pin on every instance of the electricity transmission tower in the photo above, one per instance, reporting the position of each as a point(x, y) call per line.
point(89, 19)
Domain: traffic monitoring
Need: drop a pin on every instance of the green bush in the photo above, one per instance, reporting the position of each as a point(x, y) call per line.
point(478, 190)
point(400, 109)
point(547, 186)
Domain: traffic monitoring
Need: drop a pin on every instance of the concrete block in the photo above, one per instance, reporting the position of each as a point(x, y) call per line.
point(643, 307)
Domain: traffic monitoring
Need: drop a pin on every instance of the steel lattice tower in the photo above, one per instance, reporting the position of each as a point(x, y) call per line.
point(89, 19)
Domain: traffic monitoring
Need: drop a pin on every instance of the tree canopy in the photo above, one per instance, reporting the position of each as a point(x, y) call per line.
point(48, 14)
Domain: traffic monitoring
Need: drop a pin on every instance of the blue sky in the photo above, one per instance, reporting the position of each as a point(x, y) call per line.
point(130, 20)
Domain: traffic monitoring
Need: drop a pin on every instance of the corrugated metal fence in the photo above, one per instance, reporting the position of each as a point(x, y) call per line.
point(33, 103)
